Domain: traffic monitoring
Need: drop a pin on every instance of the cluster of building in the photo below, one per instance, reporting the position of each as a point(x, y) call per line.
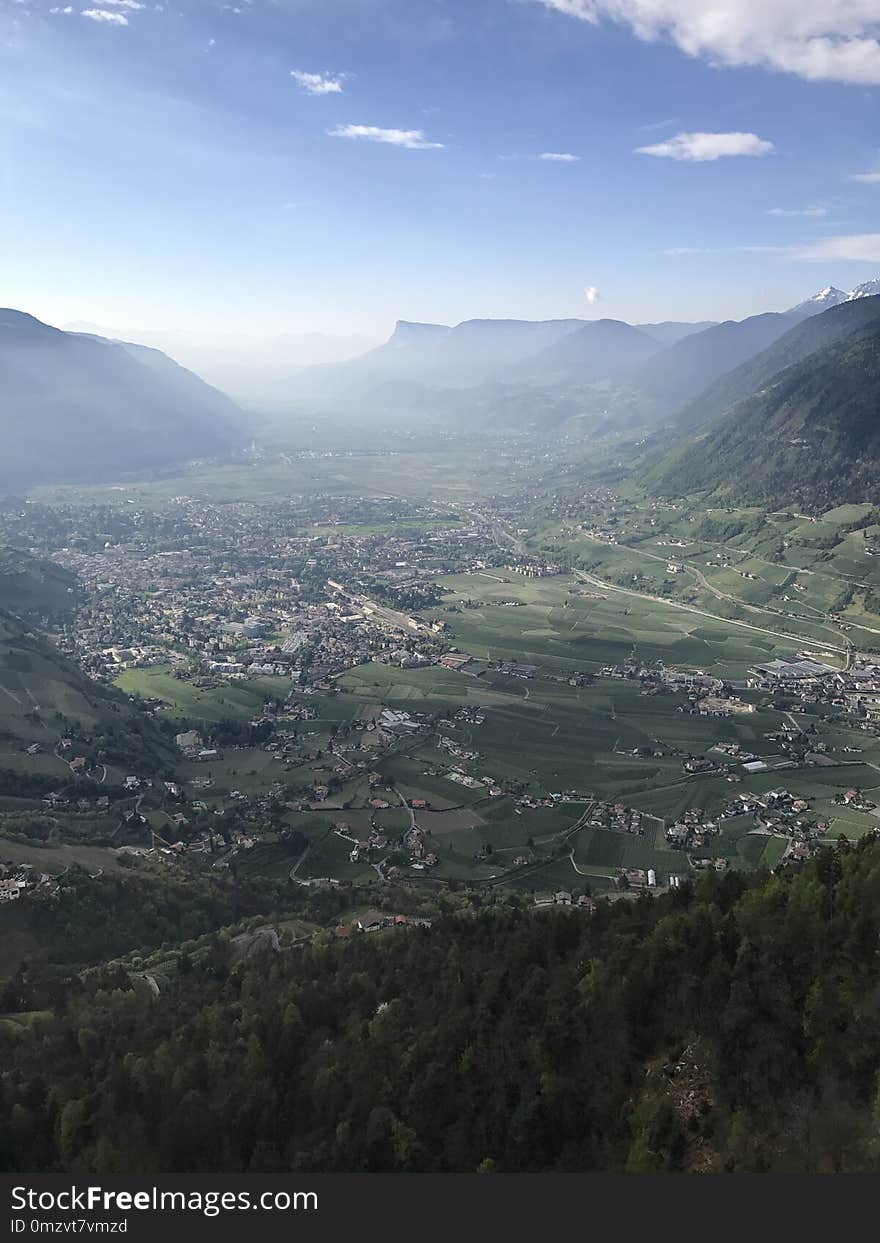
point(564, 898)
point(300, 589)
point(20, 880)
point(375, 921)
point(778, 812)
point(617, 817)
point(535, 569)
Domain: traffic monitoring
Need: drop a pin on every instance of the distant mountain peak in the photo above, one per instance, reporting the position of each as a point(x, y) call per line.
point(821, 301)
point(831, 296)
point(868, 289)
point(409, 330)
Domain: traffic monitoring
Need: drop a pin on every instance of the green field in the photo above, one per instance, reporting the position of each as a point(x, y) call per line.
point(567, 626)
point(446, 476)
point(186, 701)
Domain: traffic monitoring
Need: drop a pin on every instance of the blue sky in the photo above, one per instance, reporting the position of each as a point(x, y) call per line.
point(160, 165)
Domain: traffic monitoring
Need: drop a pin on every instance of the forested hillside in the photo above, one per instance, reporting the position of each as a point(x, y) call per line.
point(812, 334)
point(812, 438)
point(733, 1026)
point(35, 589)
point(45, 697)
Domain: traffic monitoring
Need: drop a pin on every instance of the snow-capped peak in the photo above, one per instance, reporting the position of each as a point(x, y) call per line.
point(826, 298)
point(868, 289)
point(821, 301)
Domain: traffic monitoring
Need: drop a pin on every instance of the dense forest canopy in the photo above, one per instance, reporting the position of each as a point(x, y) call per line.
point(733, 1025)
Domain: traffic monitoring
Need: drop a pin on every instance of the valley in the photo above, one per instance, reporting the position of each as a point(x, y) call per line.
point(271, 707)
point(441, 691)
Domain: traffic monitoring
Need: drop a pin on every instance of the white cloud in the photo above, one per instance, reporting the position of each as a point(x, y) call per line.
point(317, 83)
point(868, 178)
point(858, 247)
point(591, 293)
point(67, 9)
point(104, 15)
point(813, 212)
point(561, 157)
point(124, 4)
point(701, 147)
point(675, 251)
point(412, 139)
point(820, 40)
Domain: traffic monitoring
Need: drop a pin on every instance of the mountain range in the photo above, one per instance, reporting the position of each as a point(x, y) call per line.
point(598, 373)
point(829, 297)
point(804, 434)
point(78, 408)
point(492, 374)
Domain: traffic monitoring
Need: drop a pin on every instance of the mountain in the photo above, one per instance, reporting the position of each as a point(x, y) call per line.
point(811, 334)
point(495, 373)
point(33, 589)
point(674, 376)
point(44, 697)
point(602, 349)
point(79, 408)
point(255, 370)
point(472, 352)
point(811, 439)
point(868, 289)
point(820, 301)
point(584, 378)
point(672, 331)
point(829, 297)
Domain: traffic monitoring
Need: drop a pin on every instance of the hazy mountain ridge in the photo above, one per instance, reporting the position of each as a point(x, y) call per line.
point(671, 331)
point(674, 376)
point(619, 374)
point(81, 408)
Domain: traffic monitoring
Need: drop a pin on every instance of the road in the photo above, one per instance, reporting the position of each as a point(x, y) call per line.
point(504, 538)
point(297, 865)
point(412, 814)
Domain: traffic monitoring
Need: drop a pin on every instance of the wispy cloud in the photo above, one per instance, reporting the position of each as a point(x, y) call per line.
point(560, 157)
point(676, 251)
point(820, 40)
point(412, 139)
point(813, 212)
point(317, 83)
point(104, 15)
point(867, 178)
point(856, 247)
point(654, 125)
point(700, 147)
point(591, 293)
point(131, 5)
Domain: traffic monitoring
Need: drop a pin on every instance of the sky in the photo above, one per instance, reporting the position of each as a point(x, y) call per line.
point(262, 167)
